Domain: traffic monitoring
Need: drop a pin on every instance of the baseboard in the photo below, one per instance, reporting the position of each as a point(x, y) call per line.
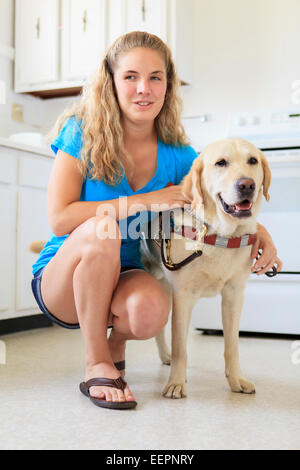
point(31, 322)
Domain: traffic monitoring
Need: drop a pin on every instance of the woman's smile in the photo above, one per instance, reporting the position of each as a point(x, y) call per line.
point(143, 104)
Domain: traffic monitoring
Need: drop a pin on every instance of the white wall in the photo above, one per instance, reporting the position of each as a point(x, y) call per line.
point(33, 107)
point(247, 55)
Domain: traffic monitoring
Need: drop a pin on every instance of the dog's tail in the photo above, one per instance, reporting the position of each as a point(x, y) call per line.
point(37, 246)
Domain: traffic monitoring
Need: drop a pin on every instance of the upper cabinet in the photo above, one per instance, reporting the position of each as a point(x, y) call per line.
point(83, 37)
point(171, 20)
point(59, 43)
point(147, 15)
point(36, 44)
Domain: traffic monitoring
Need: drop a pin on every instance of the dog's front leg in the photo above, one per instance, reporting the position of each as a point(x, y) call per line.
point(163, 349)
point(181, 313)
point(232, 304)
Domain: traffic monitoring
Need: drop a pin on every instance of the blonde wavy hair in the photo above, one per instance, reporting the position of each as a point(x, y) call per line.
point(99, 116)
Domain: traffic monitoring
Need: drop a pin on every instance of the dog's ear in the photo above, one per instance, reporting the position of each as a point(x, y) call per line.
point(267, 176)
point(192, 183)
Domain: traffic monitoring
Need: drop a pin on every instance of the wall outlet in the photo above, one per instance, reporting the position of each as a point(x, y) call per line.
point(17, 112)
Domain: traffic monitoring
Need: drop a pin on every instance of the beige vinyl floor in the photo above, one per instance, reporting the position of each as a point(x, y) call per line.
point(42, 408)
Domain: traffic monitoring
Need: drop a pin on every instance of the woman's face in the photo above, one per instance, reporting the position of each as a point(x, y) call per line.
point(141, 84)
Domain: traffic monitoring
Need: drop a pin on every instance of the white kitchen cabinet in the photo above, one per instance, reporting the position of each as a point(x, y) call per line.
point(8, 235)
point(23, 208)
point(147, 15)
point(36, 42)
point(83, 37)
point(59, 43)
point(171, 20)
point(32, 222)
point(137, 15)
point(32, 225)
point(116, 19)
point(8, 171)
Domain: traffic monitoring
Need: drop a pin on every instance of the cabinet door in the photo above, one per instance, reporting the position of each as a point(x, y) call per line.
point(7, 247)
point(147, 15)
point(116, 21)
point(83, 37)
point(36, 41)
point(8, 171)
point(171, 20)
point(32, 223)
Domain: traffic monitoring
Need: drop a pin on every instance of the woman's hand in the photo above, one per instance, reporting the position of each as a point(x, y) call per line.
point(168, 198)
point(269, 253)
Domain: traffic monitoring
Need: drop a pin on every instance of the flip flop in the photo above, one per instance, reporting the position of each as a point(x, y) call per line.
point(119, 365)
point(118, 383)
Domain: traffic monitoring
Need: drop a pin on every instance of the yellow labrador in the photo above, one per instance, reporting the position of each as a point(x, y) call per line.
point(226, 185)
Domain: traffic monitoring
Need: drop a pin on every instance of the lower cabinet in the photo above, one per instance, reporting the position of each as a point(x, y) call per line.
point(32, 225)
point(23, 208)
point(8, 204)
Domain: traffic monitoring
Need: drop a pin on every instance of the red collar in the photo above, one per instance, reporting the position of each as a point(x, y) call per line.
point(235, 242)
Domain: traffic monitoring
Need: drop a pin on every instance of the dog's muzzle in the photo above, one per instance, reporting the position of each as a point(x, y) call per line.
point(245, 188)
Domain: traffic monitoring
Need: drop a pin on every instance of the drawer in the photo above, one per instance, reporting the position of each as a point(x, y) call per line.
point(34, 172)
point(8, 165)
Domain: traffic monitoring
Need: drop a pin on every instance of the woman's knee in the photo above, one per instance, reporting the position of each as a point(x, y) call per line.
point(147, 313)
point(101, 238)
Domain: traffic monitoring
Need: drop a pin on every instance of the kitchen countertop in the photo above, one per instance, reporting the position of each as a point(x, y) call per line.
point(45, 151)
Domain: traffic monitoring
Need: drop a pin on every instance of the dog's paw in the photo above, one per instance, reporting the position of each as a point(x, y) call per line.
point(177, 390)
point(240, 385)
point(165, 358)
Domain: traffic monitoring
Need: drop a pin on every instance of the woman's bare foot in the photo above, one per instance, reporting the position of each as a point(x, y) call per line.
point(117, 346)
point(104, 369)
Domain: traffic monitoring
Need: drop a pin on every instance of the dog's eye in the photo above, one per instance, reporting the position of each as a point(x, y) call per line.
point(221, 163)
point(252, 161)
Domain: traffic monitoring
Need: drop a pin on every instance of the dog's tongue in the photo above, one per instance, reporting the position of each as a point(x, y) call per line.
point(243, 206)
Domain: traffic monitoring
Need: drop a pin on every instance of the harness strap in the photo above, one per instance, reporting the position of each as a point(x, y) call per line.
point(175, 266)
point(172, 266)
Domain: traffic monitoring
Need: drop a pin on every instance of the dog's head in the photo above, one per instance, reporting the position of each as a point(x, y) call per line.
point(228, 179)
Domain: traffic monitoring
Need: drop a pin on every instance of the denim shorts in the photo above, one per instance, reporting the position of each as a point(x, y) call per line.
point(36, 289)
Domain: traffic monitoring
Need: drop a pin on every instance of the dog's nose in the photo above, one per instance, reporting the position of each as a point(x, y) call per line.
point(245, 186)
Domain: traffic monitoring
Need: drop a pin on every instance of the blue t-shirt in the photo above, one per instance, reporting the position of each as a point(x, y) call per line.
point(173, 163)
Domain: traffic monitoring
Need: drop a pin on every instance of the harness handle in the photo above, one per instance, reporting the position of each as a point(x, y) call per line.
point(169, 265)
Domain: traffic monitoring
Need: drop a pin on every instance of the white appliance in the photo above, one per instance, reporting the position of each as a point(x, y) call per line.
point(272, 305)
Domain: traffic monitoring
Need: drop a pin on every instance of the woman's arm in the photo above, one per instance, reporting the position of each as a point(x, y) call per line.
point(269, 253)
point(66, 211)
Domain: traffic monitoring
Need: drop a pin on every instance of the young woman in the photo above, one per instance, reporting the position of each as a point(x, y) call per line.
point(123, 138)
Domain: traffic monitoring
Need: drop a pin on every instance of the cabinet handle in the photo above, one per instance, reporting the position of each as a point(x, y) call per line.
point(84, 20)
point(38, 27)
point(143, 10)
